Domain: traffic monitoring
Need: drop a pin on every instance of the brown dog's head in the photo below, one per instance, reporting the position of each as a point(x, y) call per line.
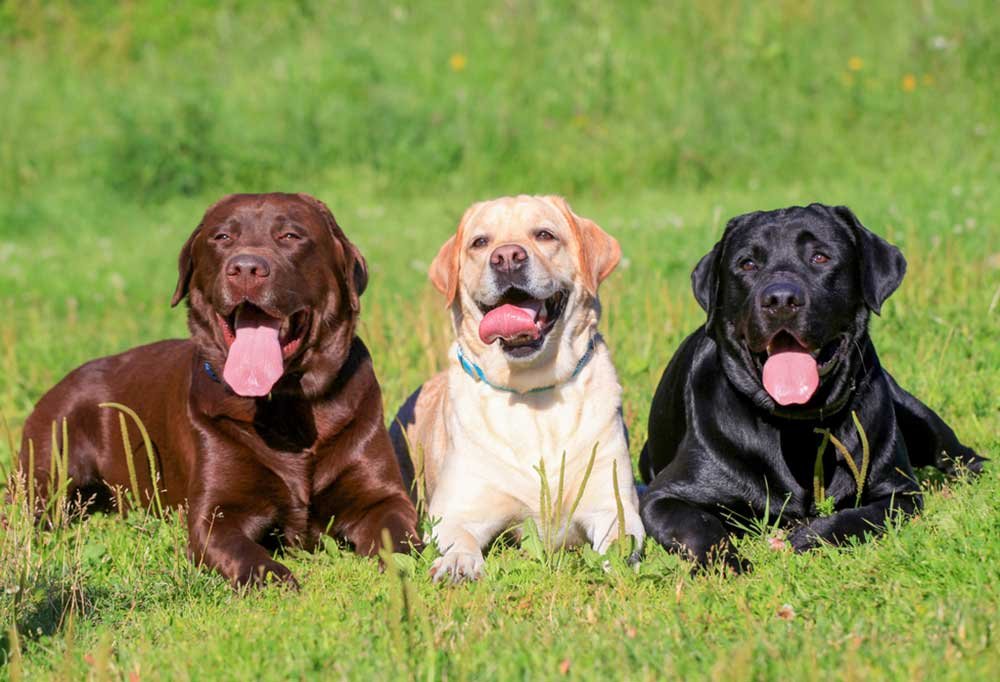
point(521, 277)
point(272, 285)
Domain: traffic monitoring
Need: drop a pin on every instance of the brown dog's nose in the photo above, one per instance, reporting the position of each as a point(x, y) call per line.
point(508, 258)
point(782, 299)
point(247, 267)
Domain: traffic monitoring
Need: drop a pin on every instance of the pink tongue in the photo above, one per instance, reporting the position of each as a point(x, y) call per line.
point(791, 377)
point(509, 322)
point(254, 363)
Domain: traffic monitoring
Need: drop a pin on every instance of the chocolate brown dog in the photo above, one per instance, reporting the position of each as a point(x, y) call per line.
point(268, 421)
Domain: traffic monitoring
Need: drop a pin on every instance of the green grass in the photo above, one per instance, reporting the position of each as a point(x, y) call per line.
point(124, 121)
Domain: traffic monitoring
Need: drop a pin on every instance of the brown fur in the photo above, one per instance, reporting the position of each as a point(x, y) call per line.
point(313, 457)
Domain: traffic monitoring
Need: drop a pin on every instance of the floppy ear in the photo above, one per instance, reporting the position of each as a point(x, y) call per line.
point(599, 251)
point(705, 278)
point(444, 269)
point(185, 266)
point(882, 264)
point(185, 262)
point(355, 267)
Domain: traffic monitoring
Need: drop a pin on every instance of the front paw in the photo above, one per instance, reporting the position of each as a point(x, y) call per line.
point(262, 575)
point(632, 544)
point(457, 566)
point(965, 460)
point(636, 556)
point(808, 535)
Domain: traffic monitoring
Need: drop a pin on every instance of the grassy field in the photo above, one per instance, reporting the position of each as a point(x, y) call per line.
point(123, 121)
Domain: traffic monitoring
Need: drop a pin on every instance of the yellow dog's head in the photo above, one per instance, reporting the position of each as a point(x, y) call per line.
point(520, 276)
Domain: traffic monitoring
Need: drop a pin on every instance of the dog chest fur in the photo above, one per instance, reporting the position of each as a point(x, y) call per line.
point(510, 436)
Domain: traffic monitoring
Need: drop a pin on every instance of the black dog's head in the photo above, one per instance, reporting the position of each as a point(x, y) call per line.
point(788, 295)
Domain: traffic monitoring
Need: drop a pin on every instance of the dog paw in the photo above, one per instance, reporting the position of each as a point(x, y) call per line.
point(457, 566)
point(635, 555)
point(965, 461)
point(271, 573)
point(804, 538)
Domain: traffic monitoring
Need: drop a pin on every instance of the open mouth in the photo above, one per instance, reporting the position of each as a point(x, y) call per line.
point(826, 357)
point(291, 329)
point(791, 371)
point(257, 345)
point(520, 321)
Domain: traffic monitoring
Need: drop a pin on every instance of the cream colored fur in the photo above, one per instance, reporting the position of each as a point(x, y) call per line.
point(480, 447)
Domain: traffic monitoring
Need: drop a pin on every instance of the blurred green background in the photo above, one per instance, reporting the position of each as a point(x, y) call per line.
point(158, 100)
point(120, 122)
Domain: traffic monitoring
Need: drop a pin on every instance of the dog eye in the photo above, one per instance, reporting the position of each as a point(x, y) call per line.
point(748, 265)
point(480, 242)
point(544, 236)
point(290, 236)
point(819, 258)
point(221, 237)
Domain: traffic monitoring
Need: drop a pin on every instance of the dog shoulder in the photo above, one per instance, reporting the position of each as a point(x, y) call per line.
point(423, 408)
point(418, 431)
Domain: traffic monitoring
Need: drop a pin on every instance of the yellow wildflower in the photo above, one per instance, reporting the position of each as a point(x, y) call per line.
point(909, 83)
point(855, 63)
point(457, 61)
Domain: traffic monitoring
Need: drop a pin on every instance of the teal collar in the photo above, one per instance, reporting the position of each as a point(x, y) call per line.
point(476, 372)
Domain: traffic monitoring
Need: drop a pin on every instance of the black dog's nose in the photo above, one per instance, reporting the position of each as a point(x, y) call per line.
point(247, 267)
point(508, 258)
point(782, 298)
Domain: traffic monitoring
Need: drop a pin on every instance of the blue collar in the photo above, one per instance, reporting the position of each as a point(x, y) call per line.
point(476, 372)
point(211, 372)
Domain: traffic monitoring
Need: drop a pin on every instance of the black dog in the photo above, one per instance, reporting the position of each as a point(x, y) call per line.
point(756, 410)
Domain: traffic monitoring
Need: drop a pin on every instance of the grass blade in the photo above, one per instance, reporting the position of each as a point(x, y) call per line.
point(865, 456)
point(150, 454)
point(620, 511)
point(819, 476)
point(583, 486)
point(133, 480)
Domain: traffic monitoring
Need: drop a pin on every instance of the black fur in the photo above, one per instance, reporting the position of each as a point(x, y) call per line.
point(397, 434)
point(721, 451)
